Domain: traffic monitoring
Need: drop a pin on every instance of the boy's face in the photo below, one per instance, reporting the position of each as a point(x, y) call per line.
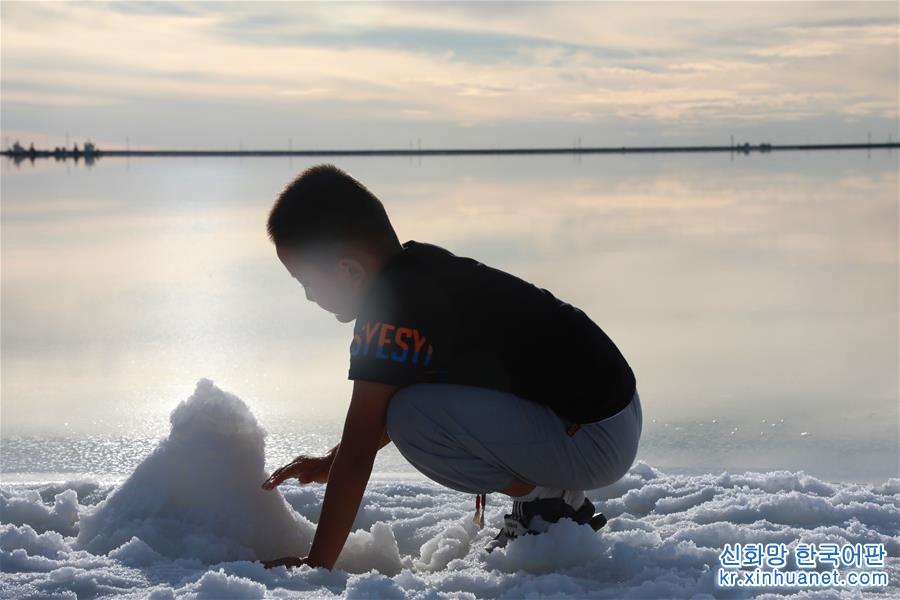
point(335, 289)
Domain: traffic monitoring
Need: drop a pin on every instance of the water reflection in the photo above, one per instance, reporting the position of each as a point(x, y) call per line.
point(760, 287)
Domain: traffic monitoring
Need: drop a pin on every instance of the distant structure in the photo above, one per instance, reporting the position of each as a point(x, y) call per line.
point(91, 152)
point(18, 153)
point(746, 148)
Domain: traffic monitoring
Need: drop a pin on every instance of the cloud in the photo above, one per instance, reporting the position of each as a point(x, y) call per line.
point(801, 50)
point(454, 65)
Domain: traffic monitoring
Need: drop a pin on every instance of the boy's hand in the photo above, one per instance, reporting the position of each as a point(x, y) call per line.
point(304, 468)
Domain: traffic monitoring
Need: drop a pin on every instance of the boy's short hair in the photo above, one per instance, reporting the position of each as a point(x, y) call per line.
point(325, 209)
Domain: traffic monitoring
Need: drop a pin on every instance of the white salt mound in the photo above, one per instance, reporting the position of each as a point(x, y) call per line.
point(198, 494)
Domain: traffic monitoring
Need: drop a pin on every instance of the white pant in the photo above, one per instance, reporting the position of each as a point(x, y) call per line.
point(478, 440)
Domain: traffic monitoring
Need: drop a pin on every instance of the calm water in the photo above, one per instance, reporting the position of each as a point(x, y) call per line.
point(755, 297)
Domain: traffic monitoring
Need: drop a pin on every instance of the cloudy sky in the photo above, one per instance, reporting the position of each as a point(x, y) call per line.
point(390, 75)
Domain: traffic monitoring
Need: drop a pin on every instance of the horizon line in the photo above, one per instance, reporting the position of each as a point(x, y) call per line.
point(744, 148)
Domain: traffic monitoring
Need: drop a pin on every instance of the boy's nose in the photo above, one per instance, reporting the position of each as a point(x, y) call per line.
point(308, 295)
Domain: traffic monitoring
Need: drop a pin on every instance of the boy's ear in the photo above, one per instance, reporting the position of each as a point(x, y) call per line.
point(353, 267)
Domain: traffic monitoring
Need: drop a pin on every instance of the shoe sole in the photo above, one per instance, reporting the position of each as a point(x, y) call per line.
point(597, 521)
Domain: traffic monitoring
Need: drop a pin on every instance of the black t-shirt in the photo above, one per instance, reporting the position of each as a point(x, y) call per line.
point(432, 316)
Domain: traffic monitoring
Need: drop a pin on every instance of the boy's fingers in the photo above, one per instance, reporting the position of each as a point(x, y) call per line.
point(304, 468)
point(277, 478)
point(274, 479)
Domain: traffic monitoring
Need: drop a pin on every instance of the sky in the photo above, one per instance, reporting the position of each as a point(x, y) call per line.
point(308, 75)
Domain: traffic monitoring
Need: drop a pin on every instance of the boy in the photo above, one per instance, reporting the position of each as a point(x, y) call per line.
point(483, 381)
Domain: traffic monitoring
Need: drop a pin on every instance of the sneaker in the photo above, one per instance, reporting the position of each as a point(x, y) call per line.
point(535, 517)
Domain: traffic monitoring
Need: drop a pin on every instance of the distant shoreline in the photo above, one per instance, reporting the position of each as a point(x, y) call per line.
point(740, 148)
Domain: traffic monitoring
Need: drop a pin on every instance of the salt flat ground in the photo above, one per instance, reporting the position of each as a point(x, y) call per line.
point(417, 540)
point(191, 520)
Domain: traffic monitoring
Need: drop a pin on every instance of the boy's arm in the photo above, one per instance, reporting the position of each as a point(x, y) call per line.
point(385, 440)
point(364, 434)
